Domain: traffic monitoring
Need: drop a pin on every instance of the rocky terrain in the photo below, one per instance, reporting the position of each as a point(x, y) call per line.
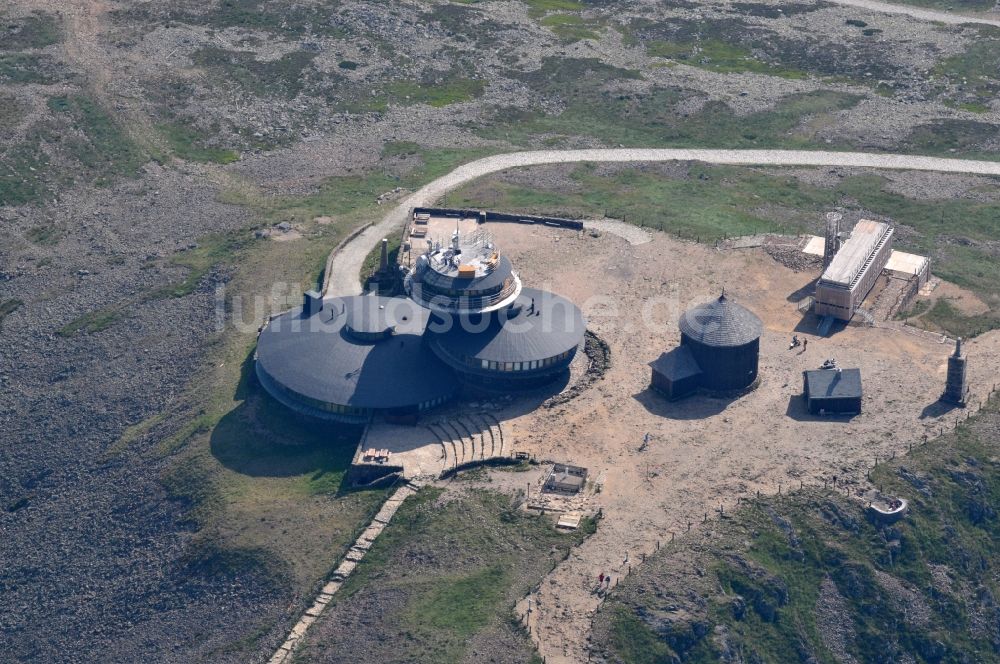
point(810, 577)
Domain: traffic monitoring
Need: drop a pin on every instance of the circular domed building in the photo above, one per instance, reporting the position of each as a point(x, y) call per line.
point(352, 358)
point(528, 343)
point(719, 351)
point(467, 320)
point(494, 333)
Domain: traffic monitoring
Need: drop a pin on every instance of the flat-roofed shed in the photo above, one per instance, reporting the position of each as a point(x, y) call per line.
point(832, 391)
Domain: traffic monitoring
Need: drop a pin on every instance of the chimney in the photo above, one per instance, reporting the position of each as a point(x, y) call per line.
point(312, 303)
point(383, 262)
point(956, 389)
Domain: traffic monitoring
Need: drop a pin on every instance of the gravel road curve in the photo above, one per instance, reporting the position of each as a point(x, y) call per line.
point(919, 13)
point(345, 268)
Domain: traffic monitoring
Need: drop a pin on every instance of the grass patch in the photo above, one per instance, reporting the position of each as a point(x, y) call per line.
point(99, 143)
point(433, 92)
point(190, 144)
point(346, 195)
point(210, 252)
point(917, 590)
point(433, 605)
point(92, 322)
point(919, 307)
point(537, 8)
point(598, 105)
point(372, 259)
point(36, 30)
point(462, 605)
point(971, 138)
point(27, 68)
point(635, 642)
point(719, 56)
point(571, 27)
point(12, 112)
point(45, 234)
point(7, 307)
point(22, 175)
point(945, 316)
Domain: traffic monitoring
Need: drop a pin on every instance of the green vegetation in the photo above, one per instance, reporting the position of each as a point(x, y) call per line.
point(803, 576)
point(36, 30)
point(435, 605)
point(434, 93)
point(537, 8)
point(211, 251)
point(969, 137)
point(594, 108)
point(190, 144)
point(713, 202)
point(945, 316)
point(7, 307)
point(99, 144)
point(719, 56)
point(45, 234)
point(571, 27)
point(345, 195)
point(27, 68)
point(284, 77)
point(11, 112)
point(21, 174)
point(950, 5)
point(634, 641)
point(92, 322)
point(372, 259)
point(974, 74)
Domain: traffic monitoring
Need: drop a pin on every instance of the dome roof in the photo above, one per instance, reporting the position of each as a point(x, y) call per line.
point(539, 325)
point(314, 357)
point(721, 323)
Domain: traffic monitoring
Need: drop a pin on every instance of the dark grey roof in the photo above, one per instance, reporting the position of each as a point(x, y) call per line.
point(486, 282)
point(514, 334)
point(374, 315)
point(314, 357)
point(833, 384)
point(676, 364)
point(721, 322)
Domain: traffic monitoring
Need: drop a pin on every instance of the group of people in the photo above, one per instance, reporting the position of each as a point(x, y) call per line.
point(603, 583)
point(796, 343)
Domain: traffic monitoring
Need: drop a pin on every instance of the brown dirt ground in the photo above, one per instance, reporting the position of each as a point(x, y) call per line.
point(705, 452)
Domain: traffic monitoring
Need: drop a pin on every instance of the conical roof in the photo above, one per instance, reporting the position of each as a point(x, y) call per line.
point(721, 323)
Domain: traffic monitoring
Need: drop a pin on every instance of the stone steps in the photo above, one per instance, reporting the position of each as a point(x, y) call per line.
point(347, 565)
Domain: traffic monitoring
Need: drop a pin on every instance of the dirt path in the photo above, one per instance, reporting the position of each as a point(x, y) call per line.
point(345, 270)
point(102, 72)
point(919, 12)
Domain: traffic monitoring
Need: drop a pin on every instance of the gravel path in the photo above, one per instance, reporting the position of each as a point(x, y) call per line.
point(917, 12)
point(346, 268)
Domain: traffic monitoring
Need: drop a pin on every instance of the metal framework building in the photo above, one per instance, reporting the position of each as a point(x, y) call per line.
point(852, 273)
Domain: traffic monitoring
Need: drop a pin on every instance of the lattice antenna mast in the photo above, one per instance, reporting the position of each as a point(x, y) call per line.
point(832, 243)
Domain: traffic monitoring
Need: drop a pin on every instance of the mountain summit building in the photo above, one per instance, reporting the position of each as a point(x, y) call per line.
point(467, 324)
